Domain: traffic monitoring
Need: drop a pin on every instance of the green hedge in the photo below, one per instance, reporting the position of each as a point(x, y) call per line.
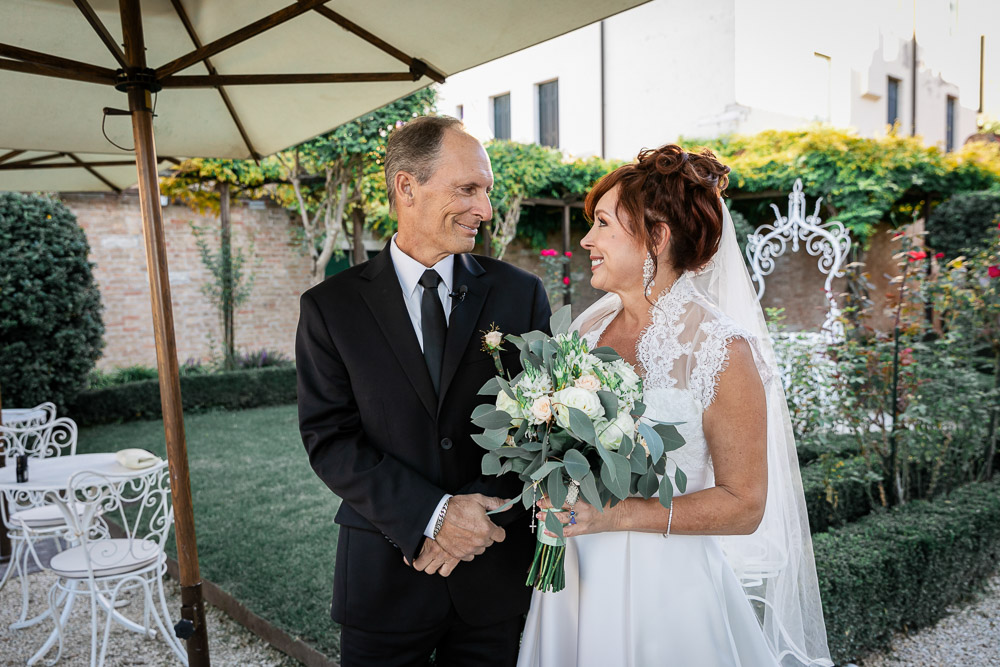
point(902, 568)
point(236, 390)
point(852, 499)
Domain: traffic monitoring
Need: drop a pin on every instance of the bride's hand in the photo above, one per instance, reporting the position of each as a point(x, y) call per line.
point(588, 518)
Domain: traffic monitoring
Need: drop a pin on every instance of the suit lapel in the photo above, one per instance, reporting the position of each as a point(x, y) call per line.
point(384, 297)
point(463, 318)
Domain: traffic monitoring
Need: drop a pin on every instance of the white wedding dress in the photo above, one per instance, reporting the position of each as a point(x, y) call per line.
point(641, 600)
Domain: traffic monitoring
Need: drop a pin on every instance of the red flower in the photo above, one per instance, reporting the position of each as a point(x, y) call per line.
point(566, 280)
point(549, 252)
point(917, 255)
point(940, 255)
point(994, 271)
point(569, 254)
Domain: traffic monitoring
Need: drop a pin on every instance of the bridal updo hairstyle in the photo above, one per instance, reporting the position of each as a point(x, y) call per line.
point(672, 186)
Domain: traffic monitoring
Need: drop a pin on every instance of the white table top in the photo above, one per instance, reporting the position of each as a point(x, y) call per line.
point(53, 474)
point(13, 416)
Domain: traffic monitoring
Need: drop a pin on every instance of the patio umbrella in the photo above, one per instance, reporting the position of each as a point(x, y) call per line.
point(234, 80)
point(46, 171)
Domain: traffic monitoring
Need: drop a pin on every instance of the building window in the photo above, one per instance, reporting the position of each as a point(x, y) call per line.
point(460, 112)
point(548, 114)
point(892, 99)
point(949, 125)
point(501, 116)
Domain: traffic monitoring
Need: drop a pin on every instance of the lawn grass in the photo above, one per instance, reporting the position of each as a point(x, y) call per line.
point(264, 520)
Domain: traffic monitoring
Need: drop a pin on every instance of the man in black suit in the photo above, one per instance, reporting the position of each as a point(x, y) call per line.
point(389, 365)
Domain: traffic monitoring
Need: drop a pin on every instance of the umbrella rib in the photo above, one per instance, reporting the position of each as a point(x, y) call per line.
point(9, 156)
point(36, 57)
point(94, 172)
point(95, 22)
point(237, 37)
point(202, 81)
point(24, 163)
point(56, 72)
point(179, 8)
point(413, 63)
point(17, 166)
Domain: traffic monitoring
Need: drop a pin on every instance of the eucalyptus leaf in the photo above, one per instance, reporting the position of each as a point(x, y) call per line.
point(545, 469)
point(617, 475)
point(576, 464)
point(581, 426)
point(508, 466)
point(486, 441)
point(521, 430)
point(605, 353)
point(483, 409)
point(535, 464)
point(555, 487)
point(638, 409)
point(528, 495)
point(561, 319)
point(517, 465)
point(666, 491)
point(505, 386)
point(588, 487)
point(532, 446)
point(553, 524)
point(491, 388)
point(493, 420)
point(610, 404)
point(671, 438)
point(653, 441)
point(681, 480)
point(491, 463)
point(516, 340)
point(648, 484)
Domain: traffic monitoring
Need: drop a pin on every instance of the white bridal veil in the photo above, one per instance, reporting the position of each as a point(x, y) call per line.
point(775, 564)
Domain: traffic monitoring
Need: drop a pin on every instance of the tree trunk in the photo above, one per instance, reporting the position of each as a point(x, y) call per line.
point(358, 235)
point(226, 257)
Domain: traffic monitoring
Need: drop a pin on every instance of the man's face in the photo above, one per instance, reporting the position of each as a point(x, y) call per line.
point(444, 214)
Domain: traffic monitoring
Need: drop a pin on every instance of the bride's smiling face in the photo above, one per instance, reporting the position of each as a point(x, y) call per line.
point(616, 257)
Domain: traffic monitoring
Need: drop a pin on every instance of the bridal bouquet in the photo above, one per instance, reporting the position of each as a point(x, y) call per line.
point(570, 424)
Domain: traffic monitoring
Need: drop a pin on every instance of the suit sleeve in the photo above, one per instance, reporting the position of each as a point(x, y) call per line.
point(393, 497)
point(509, 486)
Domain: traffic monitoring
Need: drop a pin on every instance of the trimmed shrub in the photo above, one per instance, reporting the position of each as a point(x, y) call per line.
point(50, 308)
point(963, 222)
point(845, 499)
point(901, 569)
point(237, 390)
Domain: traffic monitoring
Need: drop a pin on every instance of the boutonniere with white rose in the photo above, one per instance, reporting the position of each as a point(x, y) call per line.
point(571, 422)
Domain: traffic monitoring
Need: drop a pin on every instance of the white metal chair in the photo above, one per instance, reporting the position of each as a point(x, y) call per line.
point(102, 565)
point(36, 416)
point(27, 516)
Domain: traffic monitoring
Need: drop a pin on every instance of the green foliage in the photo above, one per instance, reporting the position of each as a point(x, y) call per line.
point(262, 358)
point(964, 223)
point(99, 379)
point(862, 181)
point(50, 306)
point(196, 181)
point(902, 569)
point(235, 390)
point(838, 491)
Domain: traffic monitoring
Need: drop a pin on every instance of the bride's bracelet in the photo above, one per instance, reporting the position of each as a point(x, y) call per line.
point(670, 520)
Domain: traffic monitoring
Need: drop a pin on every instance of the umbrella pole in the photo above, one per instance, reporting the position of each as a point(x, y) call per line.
point(192, 626)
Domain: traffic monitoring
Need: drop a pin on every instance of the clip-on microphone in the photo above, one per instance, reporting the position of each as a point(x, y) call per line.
point(458, 296)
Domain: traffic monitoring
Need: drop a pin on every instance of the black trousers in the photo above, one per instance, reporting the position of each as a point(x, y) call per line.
point(453, 643)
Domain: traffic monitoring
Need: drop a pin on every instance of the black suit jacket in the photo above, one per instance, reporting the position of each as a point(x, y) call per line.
point(376, 435)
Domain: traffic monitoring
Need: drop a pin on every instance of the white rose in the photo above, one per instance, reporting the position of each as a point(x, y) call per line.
point(541, 410)
point(574, 397)
point(507, 404)
point(589, 382)
point(611, 434)
point(493, 339)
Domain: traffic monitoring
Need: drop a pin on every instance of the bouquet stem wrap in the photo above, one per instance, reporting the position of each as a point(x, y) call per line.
point(547, 571)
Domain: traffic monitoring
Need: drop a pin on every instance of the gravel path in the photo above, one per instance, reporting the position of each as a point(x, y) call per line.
point(230, 644)
point(968, 637)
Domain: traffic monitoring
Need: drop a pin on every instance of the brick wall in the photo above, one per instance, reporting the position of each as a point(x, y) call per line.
point(114, 229)
point(268, 320)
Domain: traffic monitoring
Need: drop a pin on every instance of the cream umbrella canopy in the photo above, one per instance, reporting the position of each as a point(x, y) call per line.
point(234, 80)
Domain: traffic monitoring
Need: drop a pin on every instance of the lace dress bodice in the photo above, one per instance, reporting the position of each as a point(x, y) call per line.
point(681, 354)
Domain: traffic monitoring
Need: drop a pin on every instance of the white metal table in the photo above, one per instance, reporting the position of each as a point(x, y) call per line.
point(52, 475)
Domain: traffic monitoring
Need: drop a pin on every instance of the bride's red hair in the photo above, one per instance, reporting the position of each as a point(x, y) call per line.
point(670, 186)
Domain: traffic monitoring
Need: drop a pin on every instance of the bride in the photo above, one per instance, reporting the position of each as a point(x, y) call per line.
point(726, 576)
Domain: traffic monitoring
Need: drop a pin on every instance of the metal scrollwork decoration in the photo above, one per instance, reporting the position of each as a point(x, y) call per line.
point(829, 241)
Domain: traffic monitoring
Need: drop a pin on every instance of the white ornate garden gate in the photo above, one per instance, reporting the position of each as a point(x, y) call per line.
point(830, 241)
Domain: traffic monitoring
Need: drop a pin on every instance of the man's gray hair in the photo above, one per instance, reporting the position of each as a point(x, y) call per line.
point(415, 148)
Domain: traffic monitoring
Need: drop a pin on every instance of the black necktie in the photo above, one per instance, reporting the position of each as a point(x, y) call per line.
point(434, 326)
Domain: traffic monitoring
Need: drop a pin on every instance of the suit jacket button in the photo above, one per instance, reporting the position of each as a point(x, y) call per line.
point(446, 443)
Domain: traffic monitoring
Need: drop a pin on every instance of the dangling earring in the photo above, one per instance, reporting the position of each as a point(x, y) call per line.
point(647, 273)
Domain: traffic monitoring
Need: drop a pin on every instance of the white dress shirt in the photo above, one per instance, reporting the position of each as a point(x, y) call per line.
point(409, 272)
